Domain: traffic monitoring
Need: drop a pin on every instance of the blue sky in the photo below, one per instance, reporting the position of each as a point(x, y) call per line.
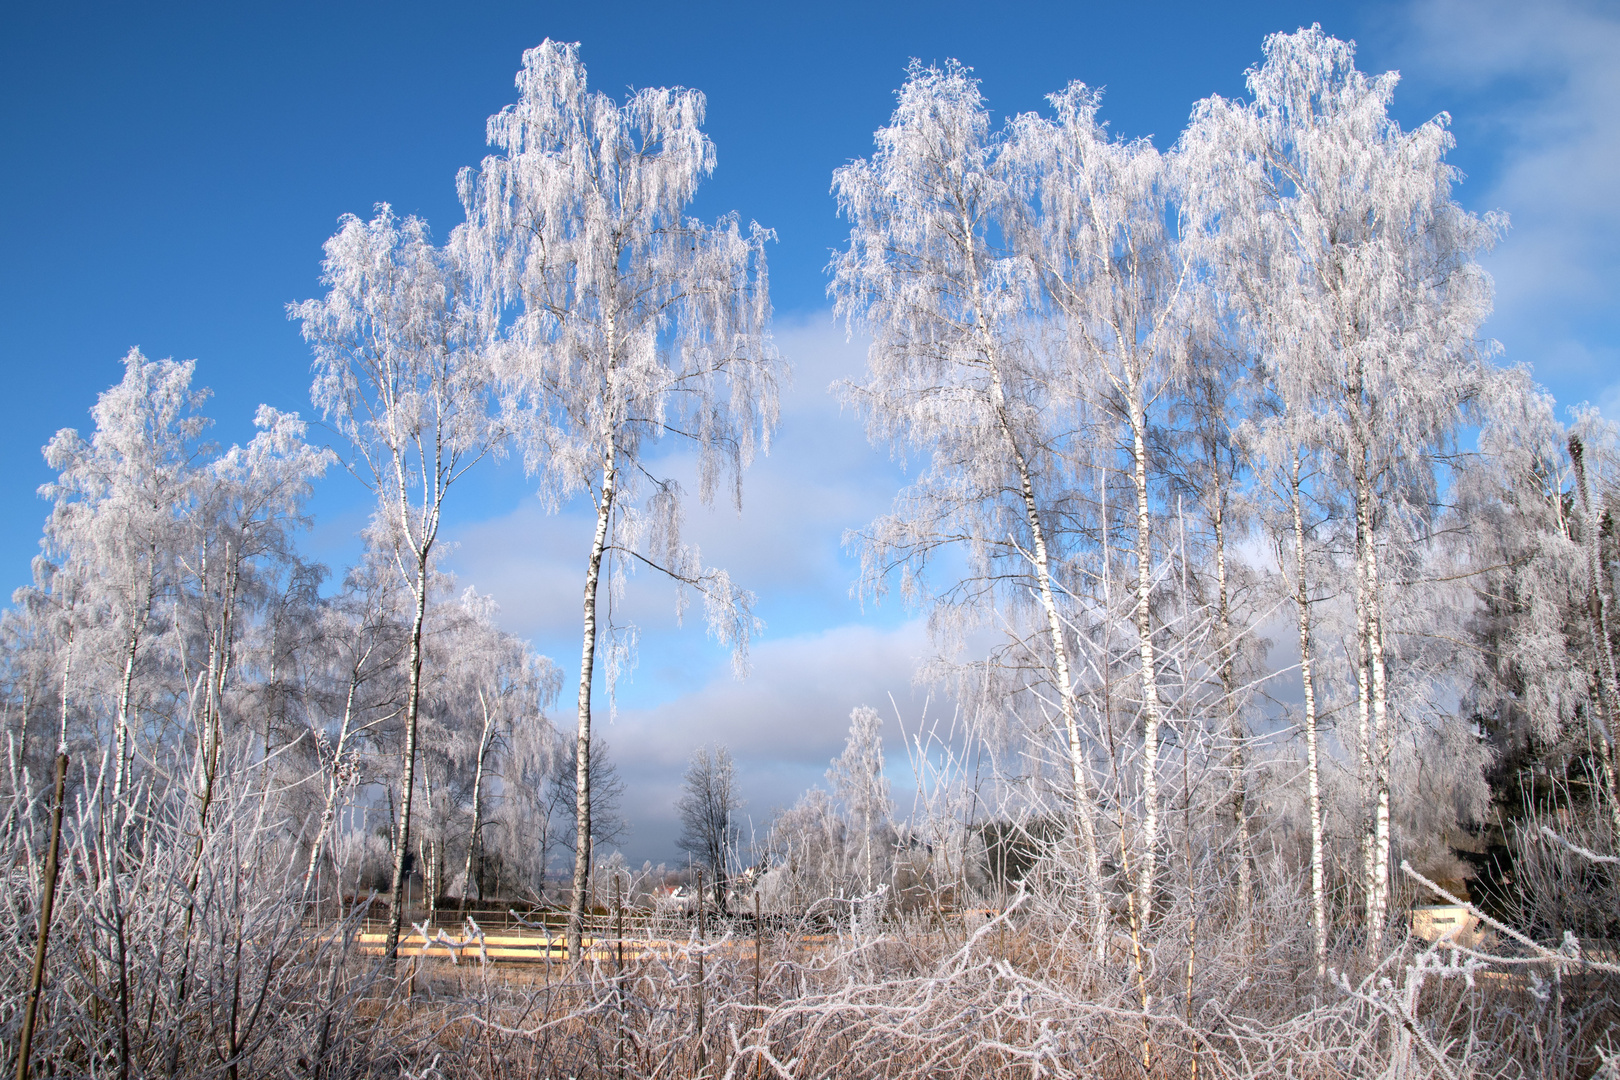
point(170, 172)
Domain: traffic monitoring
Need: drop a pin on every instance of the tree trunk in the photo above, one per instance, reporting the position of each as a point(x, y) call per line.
point(1374, 714)
point(402, 844)
point(67, 683)
point(19, 766)
point(1382, 749)
point(1234, 721)
point(1080, 786)
point(121, 720)
point(1302, 602)
point(477, 808)
point(1364, 760)
point(1608, 688)
point(46, 904)
point(333, 787)
point(1150, 684)
point(121, 737)
point(429, 845)
point(582, 745)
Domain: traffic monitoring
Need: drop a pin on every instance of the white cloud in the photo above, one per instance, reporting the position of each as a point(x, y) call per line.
point(822, 653)
point(1543, 83)
point(1609, 403)
point(820, 478)
point(782, 725)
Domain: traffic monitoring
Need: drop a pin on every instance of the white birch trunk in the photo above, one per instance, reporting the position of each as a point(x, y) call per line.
point(402, 843)
point(477, 804)
point(1364, 770)
point(333, 788)
point(1374, 714)
point(121, 738)
point(430, 852)
point(1382, 751)
point(1147, 869)
point(121, 720)
point(582, 745)
point(1080, 786)
point(1234, 722)
point(1302, 602)
point(67, 683)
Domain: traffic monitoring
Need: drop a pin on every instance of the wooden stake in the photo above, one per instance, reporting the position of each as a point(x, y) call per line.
point(759, 1016)
point(618, 973)
point(47, 901)
point(702, 1058)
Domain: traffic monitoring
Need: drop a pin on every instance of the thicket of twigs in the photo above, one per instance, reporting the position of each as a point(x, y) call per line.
point(169, 956)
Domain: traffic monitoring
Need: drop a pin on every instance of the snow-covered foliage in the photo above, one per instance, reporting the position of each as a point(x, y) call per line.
point(619, 324)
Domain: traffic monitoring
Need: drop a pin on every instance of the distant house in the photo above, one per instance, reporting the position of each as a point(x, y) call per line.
point(1446, 922)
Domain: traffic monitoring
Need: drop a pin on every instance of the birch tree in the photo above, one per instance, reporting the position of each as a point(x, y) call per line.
point(494, 685)
point(1103, 241)
point(360, 646)
point(1593, 498)
point(247, 505)
point(857, 781)
point(114, 525)
point(1285, 463)
point(952, 373)
point(400, 374)
point(239, 522)
point(627, 326)
point(1367, 271)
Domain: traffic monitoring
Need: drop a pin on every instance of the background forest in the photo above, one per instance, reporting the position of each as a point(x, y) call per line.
point(1265, 600)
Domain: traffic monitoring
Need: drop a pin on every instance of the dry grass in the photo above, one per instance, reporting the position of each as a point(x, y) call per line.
point(173, 959)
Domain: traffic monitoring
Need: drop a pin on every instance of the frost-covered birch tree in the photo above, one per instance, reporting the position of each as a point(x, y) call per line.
point(400, 373)
point(248, 503)
point(1365, 266)
point(953, 373)
point(115, 524)
point(626, 327)
point(1103, 240)
point(360, 644)
point(492, 686)
point(857, 781)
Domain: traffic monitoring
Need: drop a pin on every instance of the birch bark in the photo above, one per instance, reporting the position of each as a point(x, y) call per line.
point(407, 782)
point(623, 322)
point(1147, 870)
point(1302, 604)
point(474, 835)
point(1227, 660)
point(335, 782)
point(582, 745)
